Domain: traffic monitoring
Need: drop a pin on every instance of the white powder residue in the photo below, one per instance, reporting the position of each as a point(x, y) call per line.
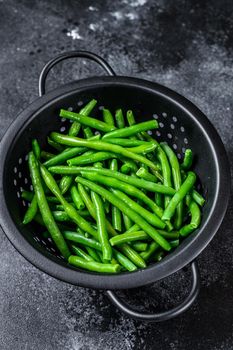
point(74, 33)
point(118, 15)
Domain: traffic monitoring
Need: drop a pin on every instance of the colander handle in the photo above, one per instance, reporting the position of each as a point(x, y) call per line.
point(71, 54)
point(161, 316)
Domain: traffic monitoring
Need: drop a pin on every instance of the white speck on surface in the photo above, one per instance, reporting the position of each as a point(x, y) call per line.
point(74, 34)
point(132, 16)
point(92, 8)
point(94, 26)
point(118, 15)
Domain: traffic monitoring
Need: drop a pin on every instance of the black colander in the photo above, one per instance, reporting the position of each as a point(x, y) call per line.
point(181, 124)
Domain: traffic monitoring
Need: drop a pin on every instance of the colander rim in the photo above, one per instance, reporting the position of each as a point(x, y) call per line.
point(174, 261)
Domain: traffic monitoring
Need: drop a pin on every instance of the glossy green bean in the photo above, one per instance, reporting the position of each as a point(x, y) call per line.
point(150, 251)
point(147, 185)
point(93, 253)
point(195, 219)
point(145, 226)
point(132, 130)
point(68, 208)
point(127, 222)
point(128, 251)
point(57, 146)
point(199, 199)
point(107, 117)
point(65, 183)
point(77, 199)
point(101, 226)
point(81, 253)
point(86, 110)
point(116, 213)
point(127, 188)
point(158, 256)
point(103, 146)
point(36, 148)
point(126, 142)
point(128, 237)
point(176, 176)
point(179, 196)
point(188, 160)
point(44, 207)
point(90, 159)
point(131, 121)
point(62, 157)
point(93, 265)
point(87, 132)
point(140, 246)
point(81, 239)
point(144, 174)
point(124, 261)
point(120, 121)
point(47, 156)
point(87, 121)
point(31, 211)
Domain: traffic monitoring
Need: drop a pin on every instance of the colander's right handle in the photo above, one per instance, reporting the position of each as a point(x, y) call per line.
point(165, 315)
point(71, 54)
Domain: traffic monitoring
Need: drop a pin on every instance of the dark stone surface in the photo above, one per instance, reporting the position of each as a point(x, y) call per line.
point(184, 45)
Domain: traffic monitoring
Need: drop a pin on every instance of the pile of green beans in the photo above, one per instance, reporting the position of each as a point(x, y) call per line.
point(110, 196)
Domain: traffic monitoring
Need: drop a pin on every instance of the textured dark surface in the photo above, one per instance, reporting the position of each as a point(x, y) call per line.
point(184, 45)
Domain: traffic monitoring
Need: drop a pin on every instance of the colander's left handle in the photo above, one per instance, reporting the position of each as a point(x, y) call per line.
point(71, 54)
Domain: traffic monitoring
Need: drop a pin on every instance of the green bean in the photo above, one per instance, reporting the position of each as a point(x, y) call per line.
point(128, 166)
point(103, 146)
point(77, 198)
point(175, 243)
point(31, 211)
point(92, 158)
point(140, 246)
point(179, 196)
point(101, 226)
point(166, 171)
point(150, 186)
point(87, 121)
point(126, 249)
point(62, 157)
point(198, 198)
point(44, 208)
point(126, 142)
point(144, 174)
point(126, 210)
point(159, 200)
point(69, 209)
point(127, 222)
point(65, 183)
point(81, 239)
point(55, 145)
point(120, 121)
point(81, 253)
point(47, 155)
point(107, 116)
point(116, 213)
point(87, 132)
point(61, 215)
point(128, 237)
point(86, 110)
point(132, 130)
point(169, 235)
point(188, 159)
point(150, 251)
point(29, 196)
point(129, 189)
point(175, 167)
point(195, 220)
point(93, 253)
point(124, 261)
point(131, 121)
point(98, 165)
point(158, 256)
point(36, 148)
point(93, 266)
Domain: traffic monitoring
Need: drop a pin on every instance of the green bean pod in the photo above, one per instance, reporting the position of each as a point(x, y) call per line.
point(93, 265)
point(77, 198)
point(86, 110)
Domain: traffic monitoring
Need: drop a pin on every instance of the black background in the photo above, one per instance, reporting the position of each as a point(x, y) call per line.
point(185, 45)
